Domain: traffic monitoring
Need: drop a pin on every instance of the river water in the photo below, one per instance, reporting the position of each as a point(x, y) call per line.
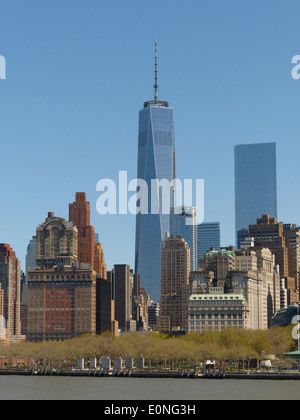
point(112, 389)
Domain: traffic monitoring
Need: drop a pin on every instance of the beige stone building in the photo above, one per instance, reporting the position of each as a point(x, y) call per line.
point(175, 289)
point(247, 298)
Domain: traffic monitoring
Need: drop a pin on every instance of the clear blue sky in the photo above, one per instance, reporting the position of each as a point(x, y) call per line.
point(79, 71)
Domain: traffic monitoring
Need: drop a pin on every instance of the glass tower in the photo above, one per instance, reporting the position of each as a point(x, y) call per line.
point(255, 183)
point(180, 226)
point(208, 237)
point(156, 161)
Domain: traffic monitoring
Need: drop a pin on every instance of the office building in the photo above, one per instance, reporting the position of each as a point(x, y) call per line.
point(10, 281)
point(56, 242)
point(255, 183)
point(103, 306)
point(220, 262)
point(156, 162)
point(208, 236)
point(175, 271)
point(30, 256)
point(90, 250)
point(61, 296)
point(269, 233)
point(246, 298)
point(183, 221)
point(121, 278)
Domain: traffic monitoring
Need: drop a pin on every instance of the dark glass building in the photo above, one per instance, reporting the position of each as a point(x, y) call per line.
point(255, 183)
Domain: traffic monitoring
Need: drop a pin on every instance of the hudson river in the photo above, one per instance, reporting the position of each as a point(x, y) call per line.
point(112, 389)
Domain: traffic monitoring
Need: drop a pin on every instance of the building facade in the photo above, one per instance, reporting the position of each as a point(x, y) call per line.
point(208, 236)
point(10, 281)
point(175, 289)
point(183, 221)
point(283, 243)
point(246, 297)
point(61, 295)
point(56, 242)
point(255, 183)
point(89, 248)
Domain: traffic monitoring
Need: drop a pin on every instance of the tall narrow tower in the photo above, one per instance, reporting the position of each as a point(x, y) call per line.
point(156, 161)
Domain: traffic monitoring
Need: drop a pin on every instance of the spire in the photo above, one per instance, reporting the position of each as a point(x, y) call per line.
point(156, 102)
point(156, 85)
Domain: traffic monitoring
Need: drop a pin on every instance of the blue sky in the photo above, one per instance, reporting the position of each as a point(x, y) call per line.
point(78, 73)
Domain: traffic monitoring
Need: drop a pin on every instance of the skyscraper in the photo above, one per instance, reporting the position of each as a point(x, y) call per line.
point(61, 297)
point(175, 270)
point(255, 183)
point(10, 281)
point(179, 225)
point(30, 256)
point(208, 235)
point(156, 161)
point(89, 248)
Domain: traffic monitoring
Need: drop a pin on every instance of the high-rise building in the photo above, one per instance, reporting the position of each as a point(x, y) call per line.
point(2, 318)
point(30, 256)
point(208, 236)
point(220, 262)
point(255, 183)
point(103, 306)
point(246, 297)
point(122, 294)
point(283, 243)
point(79, 214)
point(156, 162)
point(61, 296)
point(10, 280)
point(89, 248)
point(183, 221)
point(56, 242)
point(175, 271)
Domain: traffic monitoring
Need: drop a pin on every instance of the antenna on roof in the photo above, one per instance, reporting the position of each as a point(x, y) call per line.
point(156, 85)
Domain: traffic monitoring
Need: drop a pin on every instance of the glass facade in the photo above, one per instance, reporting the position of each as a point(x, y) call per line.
point(180, 226)
point(255, 183)
point(208, 237)
point(155, 162)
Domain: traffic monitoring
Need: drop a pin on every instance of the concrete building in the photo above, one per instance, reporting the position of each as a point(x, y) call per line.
point(10, 281)
point(220, 262)
point(61, 295)
point(246, 297)
point(121, 277)
point(30, 256)
point(269, 233)
point(56, 242)
point(175, 270)
point(216, 312)
point(89, 251)
point(183, 221)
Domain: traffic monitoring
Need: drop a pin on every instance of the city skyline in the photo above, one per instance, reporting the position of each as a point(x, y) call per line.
point(51, 110)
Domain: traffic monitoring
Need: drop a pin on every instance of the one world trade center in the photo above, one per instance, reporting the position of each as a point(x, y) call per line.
point(156, 161)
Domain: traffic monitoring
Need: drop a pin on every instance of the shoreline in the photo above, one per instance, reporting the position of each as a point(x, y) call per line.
point(157, 374)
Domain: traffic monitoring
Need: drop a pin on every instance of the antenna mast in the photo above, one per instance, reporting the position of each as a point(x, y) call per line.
point(156, 85)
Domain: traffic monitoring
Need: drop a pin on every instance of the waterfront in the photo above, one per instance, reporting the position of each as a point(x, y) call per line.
point(109, 389)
